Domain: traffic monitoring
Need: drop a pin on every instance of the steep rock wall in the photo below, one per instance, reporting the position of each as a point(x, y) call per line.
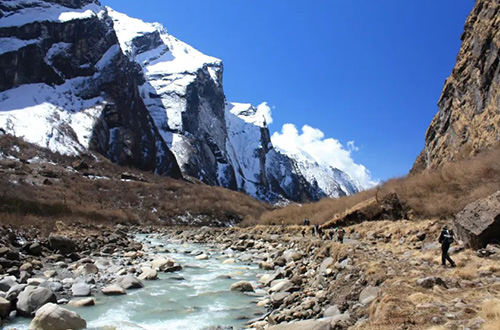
point(468, 119)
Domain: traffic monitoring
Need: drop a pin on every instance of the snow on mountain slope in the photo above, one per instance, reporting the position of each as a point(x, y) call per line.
point(90, 78)
point(59, 64)
point(51, 117)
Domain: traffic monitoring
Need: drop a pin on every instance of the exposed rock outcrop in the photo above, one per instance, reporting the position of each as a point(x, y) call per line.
point(479, 222)
point(468, 119)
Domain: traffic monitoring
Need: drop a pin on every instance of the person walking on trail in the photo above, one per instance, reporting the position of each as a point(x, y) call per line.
point(340, 235)
point(332, 234)
point(446, 238)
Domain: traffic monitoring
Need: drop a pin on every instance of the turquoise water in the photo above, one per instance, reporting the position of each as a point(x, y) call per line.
point(194, 298)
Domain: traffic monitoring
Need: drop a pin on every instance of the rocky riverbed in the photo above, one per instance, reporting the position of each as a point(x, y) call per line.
point(386, 275)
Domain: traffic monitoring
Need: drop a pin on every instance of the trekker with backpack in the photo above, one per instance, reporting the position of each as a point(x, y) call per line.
point(446, 238)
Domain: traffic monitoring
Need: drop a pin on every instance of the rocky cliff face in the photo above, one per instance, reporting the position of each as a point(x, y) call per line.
point(469, 108)
point(102, 81)
point(60, 62)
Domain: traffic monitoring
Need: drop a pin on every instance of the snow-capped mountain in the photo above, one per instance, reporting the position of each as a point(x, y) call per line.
point(77, 77)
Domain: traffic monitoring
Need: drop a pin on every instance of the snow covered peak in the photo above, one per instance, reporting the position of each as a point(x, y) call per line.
point(151, 46)
point(248, 113)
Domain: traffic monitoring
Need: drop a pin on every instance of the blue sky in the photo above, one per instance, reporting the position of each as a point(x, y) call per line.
point(364, 71)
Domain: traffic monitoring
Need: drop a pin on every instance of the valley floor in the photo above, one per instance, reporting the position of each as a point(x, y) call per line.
point(386, 274)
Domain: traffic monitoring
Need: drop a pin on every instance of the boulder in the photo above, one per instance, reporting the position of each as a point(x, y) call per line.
point(242, 286)
point(53, 317)
point(33, 298)
point(7, 283)
point(162, 264)
point(321, 324)
point(479, 222)
point(129, 282)
point(52, 286)
point(281, 286)
point(35, 249)
point(368, 294)
point(148, 274)
point(113, 290)
point(332, 311)
point(62, 244)
point(4, 308)
point(80, 289)
point(82, 302)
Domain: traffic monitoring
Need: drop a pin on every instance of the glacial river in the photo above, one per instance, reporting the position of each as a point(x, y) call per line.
point(196, 297)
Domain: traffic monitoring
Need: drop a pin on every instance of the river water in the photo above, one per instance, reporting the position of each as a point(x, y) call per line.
point(196, 297)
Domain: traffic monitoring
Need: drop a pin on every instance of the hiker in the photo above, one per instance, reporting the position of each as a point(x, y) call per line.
point(446, 238)
point(340, 235)
point(305, 222)
point(332, 234)
point(317, 230)
point(303, 232)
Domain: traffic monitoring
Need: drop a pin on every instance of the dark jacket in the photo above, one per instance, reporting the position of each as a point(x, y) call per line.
point(446, 237)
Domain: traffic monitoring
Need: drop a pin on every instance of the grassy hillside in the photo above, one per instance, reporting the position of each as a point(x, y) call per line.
point(38, 187)
point(430, 194)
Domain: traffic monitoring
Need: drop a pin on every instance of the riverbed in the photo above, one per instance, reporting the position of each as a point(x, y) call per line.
point(196, 297)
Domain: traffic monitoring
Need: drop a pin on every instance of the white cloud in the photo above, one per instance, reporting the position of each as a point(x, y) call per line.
point(328, 151)
point(264, 109)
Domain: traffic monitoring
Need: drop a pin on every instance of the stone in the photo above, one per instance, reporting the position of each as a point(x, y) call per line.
point(229, 261)
point(278, 297)
point(368, 294)
point(148, 274)
point(202, 257)
point(113, 290)
point(332, 311)
point(479, 222)
point(14, 291)
point(7, 283)
point(53, 317)
point(129, 282)
point(82, 302)
point(242, 286)
point(282, 285)
point(35, 249)
point(26, 267)
point(320, 324)
point(266, 265)
point(35, 281)
point(430, 281)
point(4, 308)
point(162, 264)
point(52, 286)
point(62, 244)
point(80, 289)
point(33, 298)
point(325, 264)
point(50, 273)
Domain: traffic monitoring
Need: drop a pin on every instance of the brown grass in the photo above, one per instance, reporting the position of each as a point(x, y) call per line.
point(70, 194)
point(430, 194)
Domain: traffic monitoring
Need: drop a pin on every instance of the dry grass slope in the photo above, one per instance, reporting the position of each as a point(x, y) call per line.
point(40, 193)
point(430, 194)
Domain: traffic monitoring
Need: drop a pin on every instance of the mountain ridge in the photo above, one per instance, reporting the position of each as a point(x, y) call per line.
point(172, 93)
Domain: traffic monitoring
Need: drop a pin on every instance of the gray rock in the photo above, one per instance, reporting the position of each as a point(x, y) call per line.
point(53, 317)
point(332, 311)
point(368, 294)
point(62, 244)
point(479, 222)
point(113, 290)
point(33, 298)
point(321, 324)
point(4, 308)
point(14, 291)
point(52, 286)
point(7, 283)
point(242, 286)
point(82, 302)
point(281, 286)
point(129, 282)
point(80, 289)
